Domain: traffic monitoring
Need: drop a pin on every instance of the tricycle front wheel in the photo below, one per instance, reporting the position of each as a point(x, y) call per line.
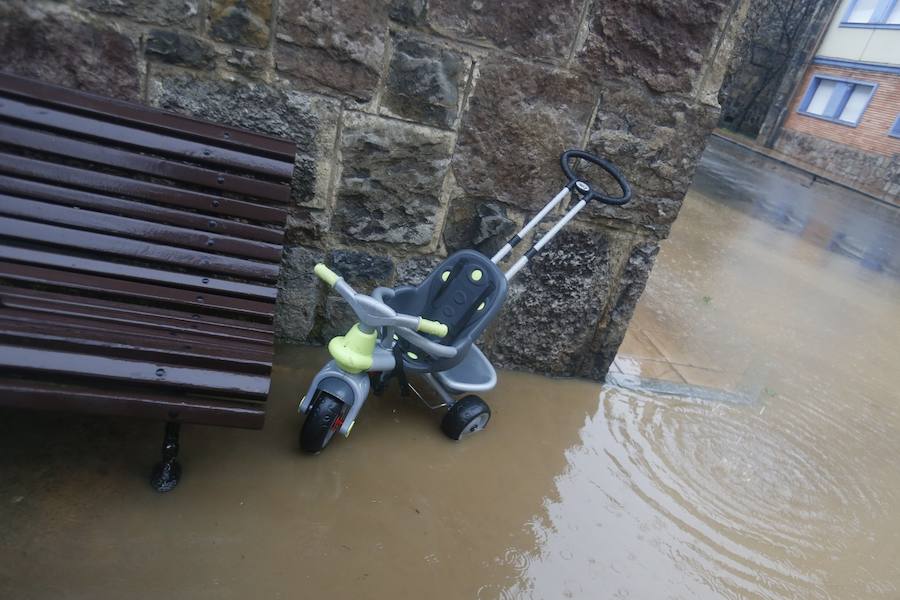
point(323, 419)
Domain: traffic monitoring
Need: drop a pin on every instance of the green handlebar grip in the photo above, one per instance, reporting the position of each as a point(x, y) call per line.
point(432, 327)
point(326, 274)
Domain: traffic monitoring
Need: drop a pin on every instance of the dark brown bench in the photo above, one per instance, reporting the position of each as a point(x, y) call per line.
point(139, 252)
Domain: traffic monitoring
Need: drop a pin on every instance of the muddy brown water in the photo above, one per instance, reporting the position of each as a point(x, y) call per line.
point(576, 490)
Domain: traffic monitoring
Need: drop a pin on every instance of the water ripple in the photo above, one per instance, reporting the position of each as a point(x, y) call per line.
point(758, 500)
point(685, 498)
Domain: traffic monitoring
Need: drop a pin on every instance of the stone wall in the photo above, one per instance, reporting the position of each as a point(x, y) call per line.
point(804, 50)
point(752, 76)
point(424, 126)
point(773, 45)
point(876, 174)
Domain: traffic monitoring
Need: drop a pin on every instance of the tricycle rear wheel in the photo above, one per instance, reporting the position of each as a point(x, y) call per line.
point(467, 416)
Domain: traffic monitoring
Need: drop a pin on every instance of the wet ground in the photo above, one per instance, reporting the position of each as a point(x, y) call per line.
point(748, 449)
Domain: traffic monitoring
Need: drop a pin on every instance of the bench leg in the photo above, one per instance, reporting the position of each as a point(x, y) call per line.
point(166, 474)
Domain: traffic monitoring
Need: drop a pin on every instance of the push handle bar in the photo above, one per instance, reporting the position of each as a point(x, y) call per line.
point(587, 192)
point(373, 311)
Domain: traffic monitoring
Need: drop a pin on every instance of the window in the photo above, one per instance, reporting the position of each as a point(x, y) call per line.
point(839, 100)
point(893, 17)
point(873, 13)
point(895, 130)
point(862, 11)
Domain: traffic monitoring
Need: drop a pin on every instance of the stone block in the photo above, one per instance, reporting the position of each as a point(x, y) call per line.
point(306, 226)
point(299, 294)
point(68, 50)
point(363, 271)
point(661, 42)
point(337, 319)
point(248, 62)
point(520, 118)
point(612, 328)
point(408, 12)
point(183, 13)
point(244, 22)
point(554, 305)
point(425, 81)
point(389, 189)
point(310, 121)
point(180, 49)
point(532, 28)
point(656, 140)
point(332, 46)
point(477, 223)
point(414, 270)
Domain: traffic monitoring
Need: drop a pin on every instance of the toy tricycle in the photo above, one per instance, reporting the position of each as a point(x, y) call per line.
point(430, 329)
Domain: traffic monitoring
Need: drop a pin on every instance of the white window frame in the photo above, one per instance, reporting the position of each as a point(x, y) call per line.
point(813, 86)
point(894, 131)
point(879, 18)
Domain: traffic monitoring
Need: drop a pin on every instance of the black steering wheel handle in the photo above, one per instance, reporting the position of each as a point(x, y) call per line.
point(585, 189)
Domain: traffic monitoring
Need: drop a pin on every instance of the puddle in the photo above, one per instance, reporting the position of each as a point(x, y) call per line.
point(670, 388)
point(576, 490)
point(672, 498)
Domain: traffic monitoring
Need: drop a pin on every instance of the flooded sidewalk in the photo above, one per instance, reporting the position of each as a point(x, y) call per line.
point(745, 446)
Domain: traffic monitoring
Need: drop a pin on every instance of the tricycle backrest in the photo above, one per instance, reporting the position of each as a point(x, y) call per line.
point(465, 292)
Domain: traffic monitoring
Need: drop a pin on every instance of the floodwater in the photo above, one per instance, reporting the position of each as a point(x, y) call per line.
point(576, 490)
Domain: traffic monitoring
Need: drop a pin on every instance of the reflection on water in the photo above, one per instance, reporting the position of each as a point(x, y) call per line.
point(828, 214)
point(672, 498)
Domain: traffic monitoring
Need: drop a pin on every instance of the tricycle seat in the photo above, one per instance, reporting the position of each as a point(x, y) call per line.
point(474, 374)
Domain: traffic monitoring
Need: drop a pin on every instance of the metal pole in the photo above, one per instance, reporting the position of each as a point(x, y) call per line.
point(523, 260)
point(507, 248)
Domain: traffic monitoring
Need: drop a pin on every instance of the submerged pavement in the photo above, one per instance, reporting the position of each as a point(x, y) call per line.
point(746, 446)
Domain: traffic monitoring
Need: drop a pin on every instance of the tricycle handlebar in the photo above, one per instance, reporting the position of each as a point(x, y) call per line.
point(374, 312)
point(326, 274)
point(433, 327)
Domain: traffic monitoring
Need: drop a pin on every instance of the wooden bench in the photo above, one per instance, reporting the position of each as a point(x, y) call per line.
point(139, 252)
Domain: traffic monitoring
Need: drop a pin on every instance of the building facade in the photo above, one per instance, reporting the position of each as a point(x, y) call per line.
point(844, 116)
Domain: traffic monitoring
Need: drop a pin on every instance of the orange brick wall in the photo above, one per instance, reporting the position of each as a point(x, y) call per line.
point(871, 133)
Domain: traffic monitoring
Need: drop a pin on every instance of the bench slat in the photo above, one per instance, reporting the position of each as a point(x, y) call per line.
point(148, 373)
point(73, 339)
point(24, 297)
point(201, 152)
point(133, 289)
point(130, 208)
point(151, 165)
point(35, 321)
point(169, 122)
point(113, 313)
point(130, 402)
point(155, 192)
point(136, 250)
point(210, 345)
point(89, 265)
point(135, 228)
